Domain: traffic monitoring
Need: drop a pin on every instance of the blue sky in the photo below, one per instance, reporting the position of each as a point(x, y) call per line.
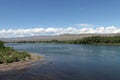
point(26, 14)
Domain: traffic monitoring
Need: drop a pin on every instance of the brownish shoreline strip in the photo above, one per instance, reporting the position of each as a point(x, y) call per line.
point(21, 64)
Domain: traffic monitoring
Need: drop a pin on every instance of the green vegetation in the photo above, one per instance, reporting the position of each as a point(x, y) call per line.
point(49, 41)
point(9, 55)
point(108, 40)
point(99, 40)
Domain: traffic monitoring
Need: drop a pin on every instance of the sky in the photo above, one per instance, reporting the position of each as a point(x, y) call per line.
point(19, 18)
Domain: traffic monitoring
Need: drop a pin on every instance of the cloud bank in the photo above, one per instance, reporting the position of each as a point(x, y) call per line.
point(56, 31)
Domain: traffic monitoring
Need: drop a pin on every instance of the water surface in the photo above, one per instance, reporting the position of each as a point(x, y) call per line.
point(69, 62)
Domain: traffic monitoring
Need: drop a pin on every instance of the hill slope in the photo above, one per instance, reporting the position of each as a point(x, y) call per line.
point(56, 37)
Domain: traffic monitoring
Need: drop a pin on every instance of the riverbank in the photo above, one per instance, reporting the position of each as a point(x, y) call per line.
point(21, 64)
point(96, 40)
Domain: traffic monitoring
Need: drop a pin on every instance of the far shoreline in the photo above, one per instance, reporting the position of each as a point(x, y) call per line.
point(95, 40)
point(102, 44)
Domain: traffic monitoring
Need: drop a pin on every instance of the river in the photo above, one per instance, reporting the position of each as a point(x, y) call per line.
point(68, 62)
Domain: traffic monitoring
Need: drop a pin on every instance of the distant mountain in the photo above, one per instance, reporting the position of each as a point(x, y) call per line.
point(56, 37)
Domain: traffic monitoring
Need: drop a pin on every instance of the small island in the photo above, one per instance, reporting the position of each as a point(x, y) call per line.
point(12, 59)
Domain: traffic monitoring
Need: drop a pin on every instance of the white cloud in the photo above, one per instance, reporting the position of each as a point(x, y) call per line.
point(84, 25)
point(56, 31)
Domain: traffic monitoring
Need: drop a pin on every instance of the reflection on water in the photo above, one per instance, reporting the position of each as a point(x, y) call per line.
point(68, 62)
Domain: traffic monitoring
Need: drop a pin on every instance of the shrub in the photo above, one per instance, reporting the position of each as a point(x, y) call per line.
point(9, 55)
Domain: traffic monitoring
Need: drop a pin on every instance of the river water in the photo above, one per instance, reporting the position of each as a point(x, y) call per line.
point(68, 62)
